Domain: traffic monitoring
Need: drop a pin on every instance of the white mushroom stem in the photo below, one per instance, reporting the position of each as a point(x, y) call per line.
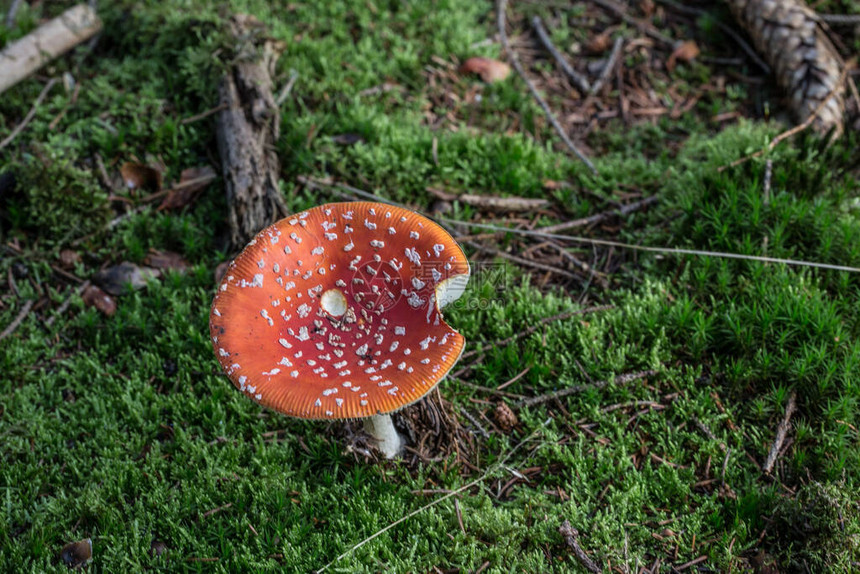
point(381, 429)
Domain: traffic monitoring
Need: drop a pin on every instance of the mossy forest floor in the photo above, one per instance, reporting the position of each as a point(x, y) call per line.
point(121, 428)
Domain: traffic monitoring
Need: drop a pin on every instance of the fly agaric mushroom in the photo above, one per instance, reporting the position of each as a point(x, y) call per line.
point(334, 313)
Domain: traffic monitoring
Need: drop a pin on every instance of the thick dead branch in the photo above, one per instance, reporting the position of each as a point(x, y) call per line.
point(805, 62)
point(23, 57)
point(248, 128)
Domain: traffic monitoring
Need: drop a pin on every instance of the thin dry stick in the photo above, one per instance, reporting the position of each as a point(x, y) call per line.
point(798, 128)
point(13, 11)
point(619, 380)
point(610, 65)
point(533, 328)
point(727, 30)
point(571, 537)
point(522, 261)
point(65, 305)
point(578, 79)
point(317, 184)
point(204, 115)
point(501, 6)
point(17, 320)
point(643, 26)
point(599, 217)
point(30, 114)
point(781, 432)
point(465, 487)
point(847, 19)
point(285, 91)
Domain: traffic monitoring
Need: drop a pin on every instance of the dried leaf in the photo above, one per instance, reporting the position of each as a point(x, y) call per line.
point(490, 70)
point(191, 182)
point(77, 554)
point(599, 43)
point(95, 297)
point(69, 258)
point(139, 176)
point(117, 279)
point(685, 52)
point(166, 260)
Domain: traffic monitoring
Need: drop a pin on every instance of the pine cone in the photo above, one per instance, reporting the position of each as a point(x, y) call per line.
point(805, 62)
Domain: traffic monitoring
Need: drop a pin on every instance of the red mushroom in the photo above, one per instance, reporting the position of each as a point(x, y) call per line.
point(334, 313)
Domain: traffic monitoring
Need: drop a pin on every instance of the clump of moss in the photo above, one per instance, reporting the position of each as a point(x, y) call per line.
point(56, 199)
point(818, 530)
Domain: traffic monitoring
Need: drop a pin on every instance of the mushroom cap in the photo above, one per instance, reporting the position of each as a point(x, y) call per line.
point(335, 312)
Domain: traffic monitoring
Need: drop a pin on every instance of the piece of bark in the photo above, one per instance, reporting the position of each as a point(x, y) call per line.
point(805, 62)
point(248, 128)
point(23, 57)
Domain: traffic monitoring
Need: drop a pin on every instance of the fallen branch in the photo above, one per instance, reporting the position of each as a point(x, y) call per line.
point(23, 57)
point(781, 432)
point(501, 6)
point(619, 380)
point(571, 537)
point(578, 79)
point(491, 202)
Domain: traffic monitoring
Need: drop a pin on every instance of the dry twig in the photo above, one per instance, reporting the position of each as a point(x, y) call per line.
point(578, 79)
point(17, 320)
point(781, 432)
point(501, 6)
point(571, 537)
point(30, 114)
point(619, 380)
point(610, 65)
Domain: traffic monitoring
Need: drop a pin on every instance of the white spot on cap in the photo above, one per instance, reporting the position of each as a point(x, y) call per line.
point(377, 243)
point(287, 249)
point(438, 249)
point(349, 246)
point(391, 231)
point(319, 250)
point(418, 283)
point(394, 346)
point(328, 392)
point(216, 312)
point(413, 256)
point(369, 224)
point(274, 371)
point(399, 330)
point(413, 235)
